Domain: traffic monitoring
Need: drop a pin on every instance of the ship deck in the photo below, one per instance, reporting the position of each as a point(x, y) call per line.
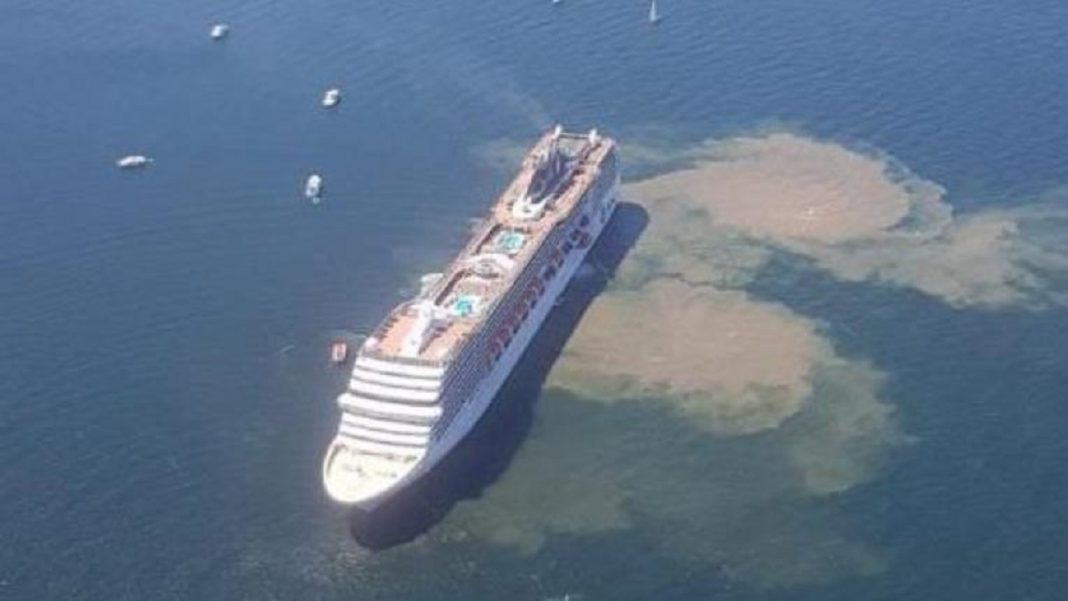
point(497, 252)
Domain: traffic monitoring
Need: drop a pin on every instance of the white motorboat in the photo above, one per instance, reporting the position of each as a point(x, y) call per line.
point(219, 31)
point(331, 97)
point(313, 188)
point(133, 161)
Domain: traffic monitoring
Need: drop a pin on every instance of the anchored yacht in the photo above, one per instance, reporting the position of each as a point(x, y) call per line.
point(133, 161)
point(313, 187)
point(331, 98)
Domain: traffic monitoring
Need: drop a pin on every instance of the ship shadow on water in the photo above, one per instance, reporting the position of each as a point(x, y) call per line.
point(484, 455)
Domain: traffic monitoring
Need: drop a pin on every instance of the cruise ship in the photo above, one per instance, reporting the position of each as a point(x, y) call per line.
point(430, 370)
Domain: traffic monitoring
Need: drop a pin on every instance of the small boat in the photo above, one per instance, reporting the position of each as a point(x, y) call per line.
point(331, 98)
point(313, 188)
point(133, 161)
point(557, 2)
point(339, 351)
point(654, 15)
point(219, 31)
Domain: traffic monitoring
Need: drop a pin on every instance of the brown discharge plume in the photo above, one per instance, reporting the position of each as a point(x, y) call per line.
point(715, 422)
point(783, 186)
point(735, 364)
point(859, 216)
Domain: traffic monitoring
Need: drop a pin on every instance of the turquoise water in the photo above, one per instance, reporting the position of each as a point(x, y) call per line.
point(165, 390)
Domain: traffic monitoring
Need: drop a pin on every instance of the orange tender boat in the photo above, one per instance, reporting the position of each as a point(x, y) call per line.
point(339, 351)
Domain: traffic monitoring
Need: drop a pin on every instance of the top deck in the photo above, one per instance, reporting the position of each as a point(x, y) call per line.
point(551, 181)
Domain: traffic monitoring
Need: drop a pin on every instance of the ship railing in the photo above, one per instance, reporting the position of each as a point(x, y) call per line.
point(400, 360)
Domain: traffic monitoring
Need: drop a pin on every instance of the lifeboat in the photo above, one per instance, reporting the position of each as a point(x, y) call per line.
point(339, 351)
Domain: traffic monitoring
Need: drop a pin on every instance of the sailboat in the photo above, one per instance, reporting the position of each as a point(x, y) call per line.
point(654, 15)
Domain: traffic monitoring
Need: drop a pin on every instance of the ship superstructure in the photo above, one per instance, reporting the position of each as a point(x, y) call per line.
point(431, 368)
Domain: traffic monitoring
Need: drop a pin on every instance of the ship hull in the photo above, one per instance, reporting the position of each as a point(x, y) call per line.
point(480, 400)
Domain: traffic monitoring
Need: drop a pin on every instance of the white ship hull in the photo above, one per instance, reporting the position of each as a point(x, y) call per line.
point(475, 406)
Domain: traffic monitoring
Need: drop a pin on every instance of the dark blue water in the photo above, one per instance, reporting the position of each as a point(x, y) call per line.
point(164, 390)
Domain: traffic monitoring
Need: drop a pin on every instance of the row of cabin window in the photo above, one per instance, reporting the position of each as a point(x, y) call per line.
point(466, 362)
point(515, 330)
point(463, 375)
point(526, 277)
point(461, 391)
point(465, 381)
point(547, 274)
point(462, 381)
point(459, 382)
point(533, 302)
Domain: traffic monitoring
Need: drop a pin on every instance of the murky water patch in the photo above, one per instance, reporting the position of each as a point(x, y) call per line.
point(862, 216)
point(716, 423)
